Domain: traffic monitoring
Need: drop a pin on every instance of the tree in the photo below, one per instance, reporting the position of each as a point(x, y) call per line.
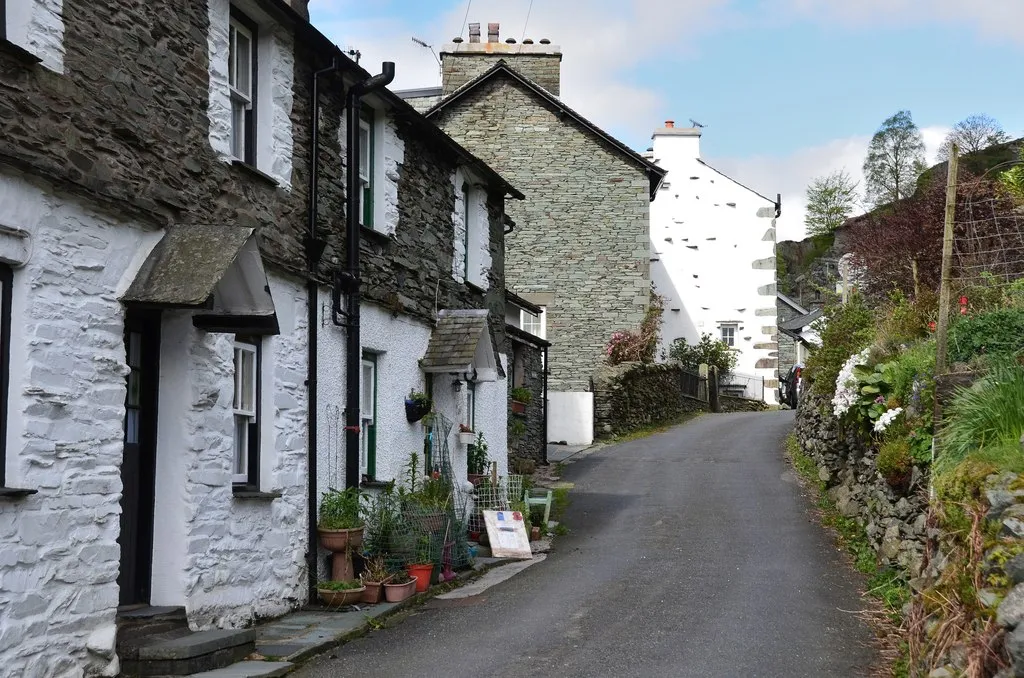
point(708, 351)
point(972, 134)
point(830, 201)
point(895, 160)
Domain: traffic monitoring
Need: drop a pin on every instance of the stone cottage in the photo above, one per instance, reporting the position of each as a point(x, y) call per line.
point(172, 358)
point(713, 259)
point(579, 249)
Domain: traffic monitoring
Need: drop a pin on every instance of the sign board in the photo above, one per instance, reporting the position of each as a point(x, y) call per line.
point(507, 532)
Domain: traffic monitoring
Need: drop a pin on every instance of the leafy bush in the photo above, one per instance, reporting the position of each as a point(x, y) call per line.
point(708, 350)
point(638, 345)
point(915, 365)
point(903, 320)
point(339, 510)
point(987, 414)
point(895, 461)
point(998, 333)
point(848, 329)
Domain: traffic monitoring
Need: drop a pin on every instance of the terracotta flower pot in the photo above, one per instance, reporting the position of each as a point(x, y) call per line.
point(339, 598)
point(518, 407)
point(338, 541)
point(475, 478)
point(372, 594)
point(396, 593)
point(422, 572)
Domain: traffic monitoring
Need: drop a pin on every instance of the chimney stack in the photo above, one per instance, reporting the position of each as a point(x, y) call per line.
point(462, 62)
point(492, 32)
point(670, 124)
point(474, 33)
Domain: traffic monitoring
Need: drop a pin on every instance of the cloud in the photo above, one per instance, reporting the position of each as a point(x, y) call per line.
point(603, 42)
point(994, 18)
point(791, 173)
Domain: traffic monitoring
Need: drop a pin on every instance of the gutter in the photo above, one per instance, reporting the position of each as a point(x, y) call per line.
point(314, 251)
point(351, 282)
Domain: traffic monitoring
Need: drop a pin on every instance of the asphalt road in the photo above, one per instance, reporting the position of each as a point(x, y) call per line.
point(691, 553)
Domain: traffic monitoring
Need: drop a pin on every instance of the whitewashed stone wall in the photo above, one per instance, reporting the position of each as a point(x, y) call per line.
point(38, 26)
point(246, 557)
point(459, 226)
point(390, 146)
point(58, 548)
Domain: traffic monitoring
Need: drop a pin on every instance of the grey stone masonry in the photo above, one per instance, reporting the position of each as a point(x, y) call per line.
point(463, 62)
point(581, 235)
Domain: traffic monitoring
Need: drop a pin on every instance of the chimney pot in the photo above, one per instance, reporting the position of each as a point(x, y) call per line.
point(510, 41)
point(545, 41)
point(474, 32)
point(670, 124)
point(457, 39)
point(492, 32)
point(528, 41)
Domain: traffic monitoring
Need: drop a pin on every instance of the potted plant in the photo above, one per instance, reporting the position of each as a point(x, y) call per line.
point(399, 586)
point(338, 593)
point(521, 397)
point(476, 460)
point(430, 502)
point(374, 576)
point(423, 568)
point(466, 435)
point(417, 406)
point(341, 529)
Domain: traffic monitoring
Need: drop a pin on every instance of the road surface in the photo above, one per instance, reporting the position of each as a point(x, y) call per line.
point(691, 553)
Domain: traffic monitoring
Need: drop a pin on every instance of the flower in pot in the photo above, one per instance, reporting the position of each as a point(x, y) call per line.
point(466, 435)
point(423, 567)
point(521, 397)
point(430, 502)
point(340, 592)
point(476, 459)
point(417, 406)
point(399, 586)
point(341, 529)
point(373, 577)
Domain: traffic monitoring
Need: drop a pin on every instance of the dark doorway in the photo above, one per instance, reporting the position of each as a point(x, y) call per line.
point(138, 468)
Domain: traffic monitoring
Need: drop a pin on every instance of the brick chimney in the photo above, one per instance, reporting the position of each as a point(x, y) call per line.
point(462, 61)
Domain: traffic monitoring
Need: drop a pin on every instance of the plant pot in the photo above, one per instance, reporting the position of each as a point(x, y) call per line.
point(339, 541)
point(518, 407)
point(474, 535)
point(339, 598)
point(372, 593)
point(415, 411)
point(423, 573)
point(475, 478)
point(433, 522)
point(466, 437)
point(396, 593)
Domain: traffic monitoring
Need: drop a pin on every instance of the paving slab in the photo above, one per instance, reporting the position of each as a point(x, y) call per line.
point(248, 669)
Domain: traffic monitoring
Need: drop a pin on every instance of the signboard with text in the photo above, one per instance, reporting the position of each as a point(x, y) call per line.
point(507, 533)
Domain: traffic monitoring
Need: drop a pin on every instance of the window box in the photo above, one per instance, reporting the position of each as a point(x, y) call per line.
point(518, 407)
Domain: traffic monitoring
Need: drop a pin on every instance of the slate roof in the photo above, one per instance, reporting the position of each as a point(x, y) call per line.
point(655, 173)
point(186, 265)
point(802, 321)
point(454, 341)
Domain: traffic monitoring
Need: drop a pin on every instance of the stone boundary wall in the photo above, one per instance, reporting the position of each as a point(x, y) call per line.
point(631, 396)
point(734, 404)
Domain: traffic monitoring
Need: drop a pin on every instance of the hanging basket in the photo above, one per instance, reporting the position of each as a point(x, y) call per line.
point(416, 410)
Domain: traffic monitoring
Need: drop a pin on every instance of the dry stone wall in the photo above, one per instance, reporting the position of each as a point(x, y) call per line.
point(631, 396)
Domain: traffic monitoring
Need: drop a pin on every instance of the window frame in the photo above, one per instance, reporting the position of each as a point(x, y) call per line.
point(467, 215)
point(527, 318)
point(732, 327)
point(368, 122)
point(249, 478)
point(368, 434)
point(471, 397)
point(6, 301)
point(238, 21)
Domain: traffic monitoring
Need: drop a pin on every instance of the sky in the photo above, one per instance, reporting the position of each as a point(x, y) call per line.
point(787, 90)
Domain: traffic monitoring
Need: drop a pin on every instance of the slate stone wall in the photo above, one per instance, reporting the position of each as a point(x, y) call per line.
point(787, 345)
point(734, 404)
point(526, 435)
point(582, 233)
point(634, 395)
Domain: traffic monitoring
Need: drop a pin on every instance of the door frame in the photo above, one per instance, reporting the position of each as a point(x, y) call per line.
point(135, 580)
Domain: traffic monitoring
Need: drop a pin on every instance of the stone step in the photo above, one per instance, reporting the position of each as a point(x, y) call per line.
point(248, 670)
point(138, 622)
point(183, 653)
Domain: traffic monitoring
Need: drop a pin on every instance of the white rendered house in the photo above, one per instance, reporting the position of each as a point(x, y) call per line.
point(713, 258)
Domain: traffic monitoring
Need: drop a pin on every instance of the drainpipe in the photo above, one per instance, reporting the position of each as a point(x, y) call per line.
point(314, 250)
point(353, 349)
point(544, 438)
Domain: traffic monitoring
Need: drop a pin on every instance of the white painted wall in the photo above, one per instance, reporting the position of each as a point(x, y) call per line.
point(390, 147)
point(58, 548)
point(38, 26)
point(714, 245)
point(571, 417)
point(274, 89)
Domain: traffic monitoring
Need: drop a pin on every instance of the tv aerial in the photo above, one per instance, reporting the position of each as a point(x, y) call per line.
point(694, 123)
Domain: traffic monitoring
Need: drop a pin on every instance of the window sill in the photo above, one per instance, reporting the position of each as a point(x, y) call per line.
point(375, 484)
point(15, 492)
point(375, 235)
point(247, 492)
point(476, 288)
point(255, 173)
point(18, 52)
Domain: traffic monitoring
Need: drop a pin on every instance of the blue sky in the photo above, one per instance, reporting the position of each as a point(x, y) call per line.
point(788, 89)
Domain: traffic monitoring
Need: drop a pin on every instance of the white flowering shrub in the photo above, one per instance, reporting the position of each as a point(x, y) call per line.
point(887, 418)
point(847, 386)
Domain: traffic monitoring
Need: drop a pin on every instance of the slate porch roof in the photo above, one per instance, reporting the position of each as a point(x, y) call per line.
point(454, 342)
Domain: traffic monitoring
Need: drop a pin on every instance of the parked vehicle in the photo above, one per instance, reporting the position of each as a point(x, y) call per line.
point(791, 386)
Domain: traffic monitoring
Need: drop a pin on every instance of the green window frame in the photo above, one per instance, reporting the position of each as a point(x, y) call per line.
point(368, 415)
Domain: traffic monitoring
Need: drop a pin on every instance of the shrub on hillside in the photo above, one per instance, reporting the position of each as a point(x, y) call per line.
point(987, 414)
point(708, 351)
point(998, 333)
point(848, 329)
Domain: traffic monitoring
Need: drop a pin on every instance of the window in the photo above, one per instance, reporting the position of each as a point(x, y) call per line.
point(242, 84)
point(534, 324)
point(471, 405)
point(6, 281)
point(518, 366)
point(729, 335)
point(246, 406)
point(466, 213)
point(366, 168)
point(368, 416)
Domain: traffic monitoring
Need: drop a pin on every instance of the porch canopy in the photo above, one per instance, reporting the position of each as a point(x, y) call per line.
point(461, 344)
point(215, 268)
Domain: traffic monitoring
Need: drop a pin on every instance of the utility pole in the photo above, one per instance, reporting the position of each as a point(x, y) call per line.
point(942, 327)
